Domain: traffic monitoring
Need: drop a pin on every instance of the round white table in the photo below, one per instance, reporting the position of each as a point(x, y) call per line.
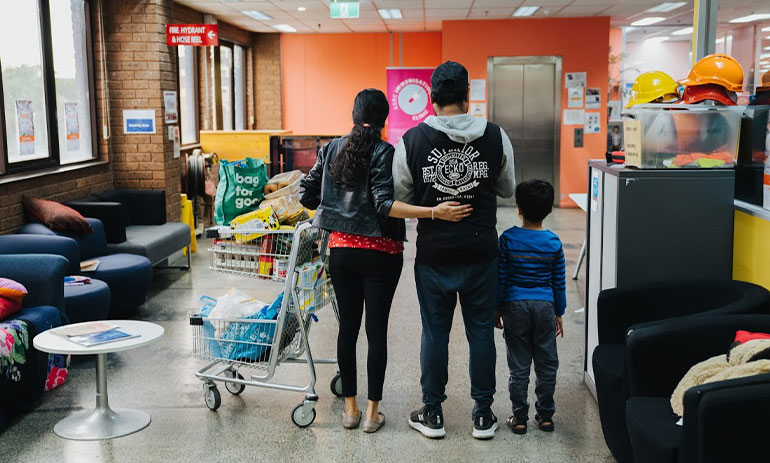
point(103, 422)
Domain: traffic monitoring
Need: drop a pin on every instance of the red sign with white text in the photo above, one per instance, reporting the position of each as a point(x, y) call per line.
point(196, 35)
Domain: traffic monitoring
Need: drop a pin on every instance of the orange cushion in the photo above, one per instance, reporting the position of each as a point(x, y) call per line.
point(56, 216)
point(12, 290)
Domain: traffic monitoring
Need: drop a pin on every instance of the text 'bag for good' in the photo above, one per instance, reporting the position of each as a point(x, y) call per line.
point(240, 190)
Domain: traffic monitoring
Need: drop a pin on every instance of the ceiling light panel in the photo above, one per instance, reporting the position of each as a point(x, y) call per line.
point(258, 15)
point(685, 31)
point(284, 28)
point(524, 11)
point(390, 13)
point(648, 21)
point(751, 18)
point(666, 7)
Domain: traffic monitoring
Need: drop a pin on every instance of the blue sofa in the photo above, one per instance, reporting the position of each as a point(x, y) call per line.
point(128, 275)
point(81, 303)
point(43, 276)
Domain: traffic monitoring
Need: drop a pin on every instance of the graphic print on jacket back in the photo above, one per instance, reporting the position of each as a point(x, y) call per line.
point(445, 170)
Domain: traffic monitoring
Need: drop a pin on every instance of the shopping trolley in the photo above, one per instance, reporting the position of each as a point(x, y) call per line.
point(233, 345)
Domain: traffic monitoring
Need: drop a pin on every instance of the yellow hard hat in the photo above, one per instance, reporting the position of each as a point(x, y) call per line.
point(716, 69)
point(652, 86)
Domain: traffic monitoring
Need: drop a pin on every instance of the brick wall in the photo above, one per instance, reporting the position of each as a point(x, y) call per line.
point(267, 76)
point(140, 67)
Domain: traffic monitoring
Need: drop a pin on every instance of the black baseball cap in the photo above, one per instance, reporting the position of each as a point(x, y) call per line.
point(449, 78)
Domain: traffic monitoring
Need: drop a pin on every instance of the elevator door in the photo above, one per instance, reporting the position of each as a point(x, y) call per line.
point(525, 101)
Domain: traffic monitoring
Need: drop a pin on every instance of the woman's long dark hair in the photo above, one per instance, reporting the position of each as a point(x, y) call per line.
point(370, 109)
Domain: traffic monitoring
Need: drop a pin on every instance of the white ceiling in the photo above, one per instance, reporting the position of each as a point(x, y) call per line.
point(426, 15)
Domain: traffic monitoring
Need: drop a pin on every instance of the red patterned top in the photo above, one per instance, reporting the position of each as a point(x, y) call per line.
point(377, 243)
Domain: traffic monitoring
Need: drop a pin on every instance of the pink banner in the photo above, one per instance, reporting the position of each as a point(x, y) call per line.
point(409, 95)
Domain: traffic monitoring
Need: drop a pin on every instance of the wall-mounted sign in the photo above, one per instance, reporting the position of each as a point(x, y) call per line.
point(25, 124)
point(169, 106)
point(409, 95)
point(137, 121)
point(72, 126)
point(343, 10)
point(196, 35)
point(574, 79)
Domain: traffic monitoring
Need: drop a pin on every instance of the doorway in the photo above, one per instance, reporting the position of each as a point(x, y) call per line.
point(525, 100)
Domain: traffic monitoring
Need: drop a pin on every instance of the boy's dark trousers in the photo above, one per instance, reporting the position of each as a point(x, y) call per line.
point(530, 335)
point(437, 290)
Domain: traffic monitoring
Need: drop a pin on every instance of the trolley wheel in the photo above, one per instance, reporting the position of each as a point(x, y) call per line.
point(301, 418)
point(336, 385)
point(212, 397)
point(235, 388)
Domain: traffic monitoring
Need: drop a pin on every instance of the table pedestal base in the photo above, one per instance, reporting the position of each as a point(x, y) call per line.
point(102, 422)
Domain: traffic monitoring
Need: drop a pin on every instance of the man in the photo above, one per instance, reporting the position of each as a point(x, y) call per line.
point(455, 156)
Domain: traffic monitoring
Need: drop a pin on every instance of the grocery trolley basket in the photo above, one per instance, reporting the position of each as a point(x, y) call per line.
point(234, 345)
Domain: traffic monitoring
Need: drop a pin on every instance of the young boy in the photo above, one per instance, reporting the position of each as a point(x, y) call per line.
point(531, 302)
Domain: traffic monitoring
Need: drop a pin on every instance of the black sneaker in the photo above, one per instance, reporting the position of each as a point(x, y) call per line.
point(430, 424)
point(484, 426)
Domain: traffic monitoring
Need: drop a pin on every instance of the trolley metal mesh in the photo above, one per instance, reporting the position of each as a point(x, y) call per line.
point(260, 254)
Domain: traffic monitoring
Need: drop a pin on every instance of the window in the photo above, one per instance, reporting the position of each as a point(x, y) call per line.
point(188, 94)
point(226, 74)
point(239, 73)
point(46, 85)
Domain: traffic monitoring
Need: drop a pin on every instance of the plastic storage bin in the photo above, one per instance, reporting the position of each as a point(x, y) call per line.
point(670, 136)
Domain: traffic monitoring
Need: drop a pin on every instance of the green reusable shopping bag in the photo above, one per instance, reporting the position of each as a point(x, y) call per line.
point(240, 190)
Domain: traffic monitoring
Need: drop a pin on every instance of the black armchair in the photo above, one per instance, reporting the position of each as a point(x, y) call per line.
point(723, 421)
point(623, 309)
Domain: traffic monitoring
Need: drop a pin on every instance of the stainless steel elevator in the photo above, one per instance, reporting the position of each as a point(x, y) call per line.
point(525, 100)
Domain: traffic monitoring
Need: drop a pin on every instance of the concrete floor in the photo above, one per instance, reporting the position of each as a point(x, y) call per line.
point(256, 425)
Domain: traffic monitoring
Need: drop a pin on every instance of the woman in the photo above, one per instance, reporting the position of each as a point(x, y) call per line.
point(351, 186)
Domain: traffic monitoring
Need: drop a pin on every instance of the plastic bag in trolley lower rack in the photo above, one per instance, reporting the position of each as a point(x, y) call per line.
point(251, 341)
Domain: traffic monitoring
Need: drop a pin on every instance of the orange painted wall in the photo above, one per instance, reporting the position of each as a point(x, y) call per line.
point(583, 44)
point(322, 73)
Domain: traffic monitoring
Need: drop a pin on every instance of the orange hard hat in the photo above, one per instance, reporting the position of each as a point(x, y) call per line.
point(716, 69)
point(764, 85)
point(697, 93)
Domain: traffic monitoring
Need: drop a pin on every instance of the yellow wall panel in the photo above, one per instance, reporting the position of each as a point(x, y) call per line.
point(235, 145)
point(751, 249)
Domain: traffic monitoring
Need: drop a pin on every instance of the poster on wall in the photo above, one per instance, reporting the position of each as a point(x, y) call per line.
point(72, 126)
point(574, 117)
point(593, 98)
point(593, 123)
point(25, 124)
point(613, 109)
point(138, 121)
point(575, 97)
point(169, 105)
point(575, 80)
point(409, 96)
point(479, 110)
point(175, 137)
point(478, 90)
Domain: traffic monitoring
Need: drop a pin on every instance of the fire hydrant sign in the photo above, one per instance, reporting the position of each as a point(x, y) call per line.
point(196, 35)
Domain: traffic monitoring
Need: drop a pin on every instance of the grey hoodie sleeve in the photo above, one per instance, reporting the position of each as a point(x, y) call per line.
point(403, 185)
point(506, 182)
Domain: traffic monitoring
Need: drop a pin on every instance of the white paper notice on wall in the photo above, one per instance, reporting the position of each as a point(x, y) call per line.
point(593, 98)
point(574, 79)
point(593, 123)
point(575, 97)
point(594, 190)
point(478, 89)
point(574, 117)
point(169, 105)
point(479, 110)
point(175, 133)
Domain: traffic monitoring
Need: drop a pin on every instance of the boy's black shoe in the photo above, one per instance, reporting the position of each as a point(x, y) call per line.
point(517, 426)
point(430, 424)
point(484, 426)
point(545, 424)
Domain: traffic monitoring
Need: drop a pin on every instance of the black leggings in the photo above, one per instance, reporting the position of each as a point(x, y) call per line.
point(364, 276)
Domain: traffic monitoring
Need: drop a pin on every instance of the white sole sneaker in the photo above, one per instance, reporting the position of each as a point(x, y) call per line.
point(487, 433)
point(426, 431)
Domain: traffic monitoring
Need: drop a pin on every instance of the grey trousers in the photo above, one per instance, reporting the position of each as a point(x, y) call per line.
point(530, 335)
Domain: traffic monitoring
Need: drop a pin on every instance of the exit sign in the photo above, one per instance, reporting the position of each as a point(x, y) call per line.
point(342, 10)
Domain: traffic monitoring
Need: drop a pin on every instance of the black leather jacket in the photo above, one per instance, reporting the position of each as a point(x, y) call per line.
point(362, 211)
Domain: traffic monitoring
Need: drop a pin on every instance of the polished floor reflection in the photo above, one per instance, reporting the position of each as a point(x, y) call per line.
point(256, 425)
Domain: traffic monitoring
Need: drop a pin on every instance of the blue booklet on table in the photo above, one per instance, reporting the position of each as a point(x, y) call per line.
point(102, 337)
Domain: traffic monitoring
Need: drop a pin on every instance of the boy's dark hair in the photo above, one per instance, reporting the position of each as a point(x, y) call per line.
point(534, 199)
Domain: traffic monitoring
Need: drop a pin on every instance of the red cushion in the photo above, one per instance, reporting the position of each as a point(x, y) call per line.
point(56, 216)
point(8, 308)
point(746, 336)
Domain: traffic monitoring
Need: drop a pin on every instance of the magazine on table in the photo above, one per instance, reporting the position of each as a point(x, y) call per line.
point(83, 328)
point(89, 265)
point(102, 337)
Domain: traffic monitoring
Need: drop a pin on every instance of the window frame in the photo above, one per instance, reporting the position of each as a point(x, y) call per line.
point(196, 100)
point(246, 49)
point(49, 86)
